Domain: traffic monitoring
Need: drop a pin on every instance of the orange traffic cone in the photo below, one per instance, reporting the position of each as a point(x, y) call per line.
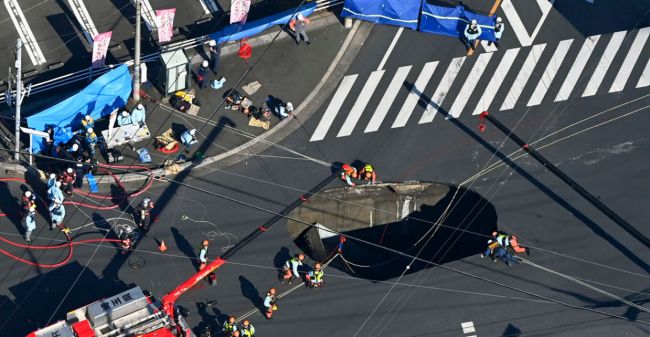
point(162, 246)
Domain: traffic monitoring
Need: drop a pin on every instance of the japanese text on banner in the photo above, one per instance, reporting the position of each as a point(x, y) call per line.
point(100, 48)
point(239, 10)
point(165, 23)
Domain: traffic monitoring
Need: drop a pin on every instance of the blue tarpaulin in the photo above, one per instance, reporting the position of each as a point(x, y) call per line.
point(105, 94)
point(452, 21)
point(238, 31)
point(403, 13)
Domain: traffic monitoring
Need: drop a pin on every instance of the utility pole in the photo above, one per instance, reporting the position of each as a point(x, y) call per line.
point(136, 64)
point(19, 94)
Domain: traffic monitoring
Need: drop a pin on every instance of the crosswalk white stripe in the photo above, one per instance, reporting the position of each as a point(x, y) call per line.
point(414, 96)
point(387, 100)
point(630, 60)
point(577, 68)
point(496, 81)
point(441, 91)
point(644, 80)
point(469, 85)
point(604, 63)
point(549, 74)
point(333, 109)
point(360, 104)
point(522, 78)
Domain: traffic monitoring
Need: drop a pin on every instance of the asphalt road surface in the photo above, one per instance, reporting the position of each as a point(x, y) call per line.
point(600, 139)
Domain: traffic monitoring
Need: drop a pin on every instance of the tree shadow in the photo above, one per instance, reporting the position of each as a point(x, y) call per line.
point(596, 229)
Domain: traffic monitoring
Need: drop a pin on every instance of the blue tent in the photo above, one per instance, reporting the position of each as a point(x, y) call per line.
point(238, 31)
point(105, 94)
point(403, 13)
point(452, 21)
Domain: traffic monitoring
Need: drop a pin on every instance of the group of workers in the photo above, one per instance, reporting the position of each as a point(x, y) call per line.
point(230, 328)
point(366, 173)
point(504, 246)
point(473, 31)
point(272, 105)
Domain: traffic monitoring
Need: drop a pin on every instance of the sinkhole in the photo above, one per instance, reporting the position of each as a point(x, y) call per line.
point(438, 222)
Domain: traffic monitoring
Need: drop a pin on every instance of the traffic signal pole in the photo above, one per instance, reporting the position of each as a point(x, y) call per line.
point(572, 183)
point(136, 63)
point(19, 94)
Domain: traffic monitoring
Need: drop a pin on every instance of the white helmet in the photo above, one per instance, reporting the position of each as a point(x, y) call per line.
point(69, 170)
point(212, 43)
point(473, 22)
point(301, 17)
point(90, 130)
point(146, 201)
point(52, 175)
point(125, 113)
point(28, 194)
point(88, 117)
point(140, 106)
point(193, 132)
point(128, 229)
point(75, 147)
point(205, 63)
point(289, 107)
point(58, 184)
point(499, 20)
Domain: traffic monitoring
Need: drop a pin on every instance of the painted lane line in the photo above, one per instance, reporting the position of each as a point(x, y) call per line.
point(337, 100)
point(468, 327)
point(644, 80)
point(547, 77)
point(630, 59)
point(387, 100)
point(604, 63)
point(390, 48)
point(496, 81)
point(577, 68)
point(517, 24)
point(522, 78)
point(360, 104)
point(469, 85)
point(441, 91)
point(414, 96)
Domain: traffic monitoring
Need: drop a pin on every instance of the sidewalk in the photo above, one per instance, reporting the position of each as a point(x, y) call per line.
point(286, 71)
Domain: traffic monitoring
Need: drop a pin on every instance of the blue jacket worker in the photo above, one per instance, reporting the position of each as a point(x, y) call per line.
point(124, 118)
point(499, 27)
point(51, 181)
point(88, 122)
point(138, 114)
point(57, 214)
point(55, 193)
point(188, 137)
point(472, 32)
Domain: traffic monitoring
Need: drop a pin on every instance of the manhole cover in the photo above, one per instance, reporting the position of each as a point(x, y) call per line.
point(136, 263)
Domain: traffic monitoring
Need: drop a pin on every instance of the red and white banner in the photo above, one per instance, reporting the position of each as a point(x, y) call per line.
point(239, 10)
point(100, 48)
point(165, 23)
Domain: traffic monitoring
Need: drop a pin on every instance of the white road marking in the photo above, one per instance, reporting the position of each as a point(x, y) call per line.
point(360, 104)
point(81, 13)
point(415, 94)
point(390, 48)
point(441, 91)
point(577, 68)
point(518, 26)
point(522, 78)
point(468, 327)
point(630, 59)
point(549, 74)
point(387, 100)
point(644, 80)
point(469, 85)
point(604, 63)
point(24, 32)
point(496, 81)
point(333, 109)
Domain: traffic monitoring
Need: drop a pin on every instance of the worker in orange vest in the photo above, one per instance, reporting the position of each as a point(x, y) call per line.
point(509, 242)
point(270, 303)
point(348, 174)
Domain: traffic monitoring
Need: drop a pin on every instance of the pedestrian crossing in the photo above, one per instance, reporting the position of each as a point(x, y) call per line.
point(503, 80)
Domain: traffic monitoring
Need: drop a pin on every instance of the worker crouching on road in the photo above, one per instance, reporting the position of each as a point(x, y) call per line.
point(497, 251)
point(229, 326)
point(315, 276)
point(510, 242)
point(128, 236)
point(57, 213)
point(68, 178)
point(290, 268)
point(247, 329)
point(368, 173)
point(348, 174)
point(203, 254)
point(270, 303)
point(143, 214)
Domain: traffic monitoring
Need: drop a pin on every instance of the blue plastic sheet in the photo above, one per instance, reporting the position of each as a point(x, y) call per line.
point(105, 94)
point(452, 21)
point(404, 13)
point(238, 31)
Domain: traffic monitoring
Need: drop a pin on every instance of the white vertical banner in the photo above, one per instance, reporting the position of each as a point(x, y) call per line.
point(239, 10)
point(100, 48)
point(165, 23)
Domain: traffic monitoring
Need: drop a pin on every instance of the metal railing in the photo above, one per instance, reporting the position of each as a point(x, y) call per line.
point(89, 73)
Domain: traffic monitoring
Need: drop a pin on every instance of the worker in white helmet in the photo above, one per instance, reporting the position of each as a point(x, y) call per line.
point(30, 220)
point(57, 213)
point(51, 180)
point(143, 214)
point(188, 137)
point(299, 28)
point(91, 142)
point(471, 34)
point(138, 114)
point(68, 178)
point(55, 192)
point(215, 56)
point(202, 75)
point(499, 27)
point(28, 199)
point(88, 122)
point(124, 118)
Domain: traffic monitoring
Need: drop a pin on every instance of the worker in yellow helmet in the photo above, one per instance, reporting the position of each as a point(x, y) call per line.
point(368, 173)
